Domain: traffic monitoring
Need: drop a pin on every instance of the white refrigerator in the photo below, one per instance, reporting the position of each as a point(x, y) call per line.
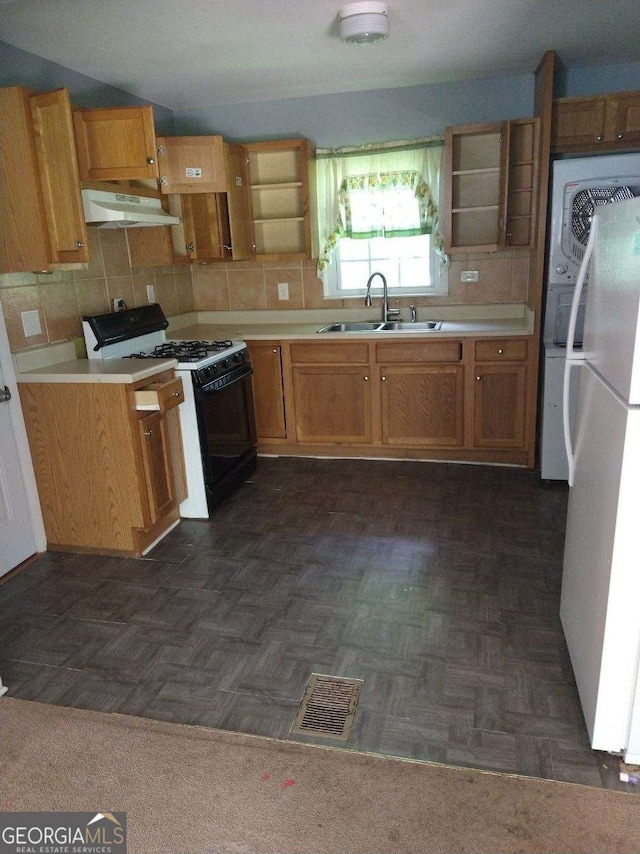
point(600, 601)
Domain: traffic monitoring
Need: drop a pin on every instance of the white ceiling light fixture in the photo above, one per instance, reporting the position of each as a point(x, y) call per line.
point(364, 23)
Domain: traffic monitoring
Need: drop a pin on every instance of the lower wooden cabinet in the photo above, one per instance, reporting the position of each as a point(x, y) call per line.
point(458, 399)
point(268, 389)
point(422, 405)
point(500, 393)
point(110, 475)
point(332, 403)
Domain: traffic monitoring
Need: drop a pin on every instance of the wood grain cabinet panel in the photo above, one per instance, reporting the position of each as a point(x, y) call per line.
point(116, 143)
point(42, 222)
point(422, 405)
point(605, 123)
point(499, 408)
point(332, 403)
point(268, 389)
point(109, 478)
point(191, 164)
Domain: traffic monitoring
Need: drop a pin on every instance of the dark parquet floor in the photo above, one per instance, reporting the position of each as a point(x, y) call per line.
point(436, 584)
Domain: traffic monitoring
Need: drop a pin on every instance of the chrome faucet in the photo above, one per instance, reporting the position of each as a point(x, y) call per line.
point(386, 311)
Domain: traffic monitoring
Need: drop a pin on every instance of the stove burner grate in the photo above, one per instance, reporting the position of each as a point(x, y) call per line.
point(183, 351)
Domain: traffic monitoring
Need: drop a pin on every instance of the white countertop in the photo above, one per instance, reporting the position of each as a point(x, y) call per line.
point(98, 371)
point(280, 331)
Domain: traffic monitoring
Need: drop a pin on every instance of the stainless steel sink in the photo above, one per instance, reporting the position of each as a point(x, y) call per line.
point(416, 326)
point(363, 326)
point(378, 326)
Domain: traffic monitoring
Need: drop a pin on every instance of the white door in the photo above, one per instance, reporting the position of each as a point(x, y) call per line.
point(17, 537)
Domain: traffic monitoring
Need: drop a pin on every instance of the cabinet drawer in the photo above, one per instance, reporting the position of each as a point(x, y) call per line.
point(418, 351)
point(160, 396)
point(330, 354)
point(502, 349)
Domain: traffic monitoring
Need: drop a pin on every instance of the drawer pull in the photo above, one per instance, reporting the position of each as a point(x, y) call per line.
point(478, 379)
point(384, 379)
point(177, 394)
point(365, 378)
point(500, 351)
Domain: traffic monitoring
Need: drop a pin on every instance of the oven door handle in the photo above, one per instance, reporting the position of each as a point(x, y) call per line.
point(229, 379)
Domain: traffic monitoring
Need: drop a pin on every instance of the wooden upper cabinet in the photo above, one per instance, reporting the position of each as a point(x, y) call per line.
point(491, 185)
point(282, 174)
point(117, 143)
point(191, 164)
point(59, 178)
point(42, 218)
point(603, 123)
point(24, 237)
point(475, 180)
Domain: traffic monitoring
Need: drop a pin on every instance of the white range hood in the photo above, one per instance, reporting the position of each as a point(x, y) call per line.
point(104, 209)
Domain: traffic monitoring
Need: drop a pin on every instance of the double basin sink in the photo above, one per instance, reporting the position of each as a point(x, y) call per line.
point(389, 326)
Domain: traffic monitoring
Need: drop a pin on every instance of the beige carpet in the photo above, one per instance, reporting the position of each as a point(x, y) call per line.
point(190, 789)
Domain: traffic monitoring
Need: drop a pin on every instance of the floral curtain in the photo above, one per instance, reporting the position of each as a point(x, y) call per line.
point(392, 190)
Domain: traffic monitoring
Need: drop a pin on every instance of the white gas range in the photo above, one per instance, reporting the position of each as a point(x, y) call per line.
point(216, 418)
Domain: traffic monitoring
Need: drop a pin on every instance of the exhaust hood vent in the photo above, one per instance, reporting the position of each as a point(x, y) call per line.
point(103, 209)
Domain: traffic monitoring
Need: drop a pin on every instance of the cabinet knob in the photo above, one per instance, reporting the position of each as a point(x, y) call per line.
point(275, 350)
point(177, 394)
point(148, 432)
point(150, 160)
point(79, 244)
point(478, 379)
point(500, 351)
point(620, 136)
point(365, 379)
point(384, 379)
point(600, 138)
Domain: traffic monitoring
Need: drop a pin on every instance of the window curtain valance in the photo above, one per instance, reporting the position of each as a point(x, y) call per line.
point(390, 190)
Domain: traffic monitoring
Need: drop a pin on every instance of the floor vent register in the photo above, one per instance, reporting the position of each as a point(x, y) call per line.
point(328, 707)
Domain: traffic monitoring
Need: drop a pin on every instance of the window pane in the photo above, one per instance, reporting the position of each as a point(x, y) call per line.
point(354, 274)
point(353, 250)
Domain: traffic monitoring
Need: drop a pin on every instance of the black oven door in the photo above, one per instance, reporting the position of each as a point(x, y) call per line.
point(227, 428)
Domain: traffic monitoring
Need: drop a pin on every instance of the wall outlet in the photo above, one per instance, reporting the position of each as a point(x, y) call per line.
point(151, 294)
point(470, 276)
point(31, 323)
point(119, 304)
point(283, 290)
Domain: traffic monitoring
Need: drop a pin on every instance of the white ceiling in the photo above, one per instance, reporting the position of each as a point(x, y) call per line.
point(186, 54)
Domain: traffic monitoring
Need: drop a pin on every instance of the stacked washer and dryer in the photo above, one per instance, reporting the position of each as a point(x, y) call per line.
point(579, 187)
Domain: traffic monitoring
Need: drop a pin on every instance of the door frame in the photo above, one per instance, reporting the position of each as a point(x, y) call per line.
point(20, 432)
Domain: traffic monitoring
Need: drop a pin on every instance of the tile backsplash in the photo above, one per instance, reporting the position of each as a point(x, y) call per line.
point(63, 297)
point(246, 285)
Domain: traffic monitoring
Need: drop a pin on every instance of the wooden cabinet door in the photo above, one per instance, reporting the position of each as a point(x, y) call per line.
point(522, 183)
point(239, 214)
point(59, 178)
point(332, 403)
point(625, 122)
point(475, 181)
point(24, 237)
point(117, 143)
point(268, 391)
point(158, 470)
point(578, 123)
point(191, 164)
point(150, 247)
point(422, 405)
point(499, 407)
point(204, 217)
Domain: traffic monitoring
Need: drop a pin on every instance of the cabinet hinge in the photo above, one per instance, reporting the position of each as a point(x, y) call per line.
point(163, 181)
point(161, 150)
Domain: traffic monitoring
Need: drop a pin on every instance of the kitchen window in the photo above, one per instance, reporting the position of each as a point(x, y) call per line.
point(378, 212)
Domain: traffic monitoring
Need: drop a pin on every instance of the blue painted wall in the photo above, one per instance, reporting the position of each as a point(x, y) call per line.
point(575, 82)
point(378, 115)
point(20, 68)
point(332, 121)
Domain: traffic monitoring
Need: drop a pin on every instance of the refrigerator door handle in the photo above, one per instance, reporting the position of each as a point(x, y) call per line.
point(575, 358)
point(566, 425)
